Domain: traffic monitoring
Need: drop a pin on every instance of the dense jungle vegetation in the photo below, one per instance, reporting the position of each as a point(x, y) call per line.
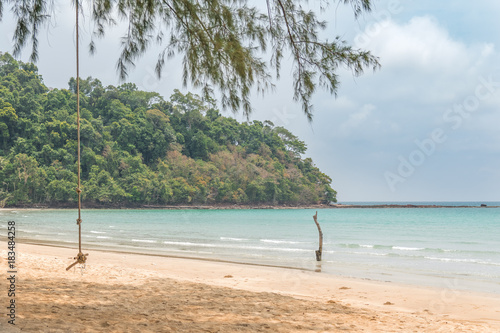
point(139, 149)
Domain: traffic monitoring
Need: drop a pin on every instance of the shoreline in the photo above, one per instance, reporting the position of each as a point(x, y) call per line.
point(409, 206)
point(235, 207)
point(326, 299)
point(148, 254)
point(409, 280)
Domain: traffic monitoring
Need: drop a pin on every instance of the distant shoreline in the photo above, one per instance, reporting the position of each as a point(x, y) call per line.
point(240, 206)
point(410, 206)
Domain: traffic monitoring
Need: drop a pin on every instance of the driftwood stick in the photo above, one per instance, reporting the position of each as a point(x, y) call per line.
point(320, 250)
point(71, 266)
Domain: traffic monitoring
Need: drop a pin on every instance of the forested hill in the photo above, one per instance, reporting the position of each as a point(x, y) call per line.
point(138, 149)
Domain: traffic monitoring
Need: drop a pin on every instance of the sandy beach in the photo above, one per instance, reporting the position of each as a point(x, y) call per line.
point(120, 292)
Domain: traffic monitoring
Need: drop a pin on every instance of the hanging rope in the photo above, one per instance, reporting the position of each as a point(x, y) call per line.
point(80, 257)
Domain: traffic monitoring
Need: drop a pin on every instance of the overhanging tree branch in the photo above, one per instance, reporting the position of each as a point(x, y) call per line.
point(222, 42)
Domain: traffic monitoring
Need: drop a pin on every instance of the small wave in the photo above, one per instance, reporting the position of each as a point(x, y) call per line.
point(278, 241)
point(438, 250)
point(233, 239)
point(405, 255)
point(489, 263)
point(263, 248)
point(188, 251)
point(464, 251)
point(97, 232)
point(467, 242)
point(227, 246)
point(383, 247)
point(447, 259)
point(290, 250)
point(143, 241)
point(372, 254)
point(357, 246)
point(350, 246)
point(103, 237)
point(29, 231)
point(473, 261)
point(403, 248)
point(187, 244)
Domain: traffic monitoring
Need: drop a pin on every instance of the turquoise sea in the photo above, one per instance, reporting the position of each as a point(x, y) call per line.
point(455, 248)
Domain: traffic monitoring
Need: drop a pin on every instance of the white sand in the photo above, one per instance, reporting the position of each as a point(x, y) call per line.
point(120, 292)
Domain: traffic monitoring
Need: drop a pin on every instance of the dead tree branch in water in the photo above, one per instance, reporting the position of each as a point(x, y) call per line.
point(320, 250)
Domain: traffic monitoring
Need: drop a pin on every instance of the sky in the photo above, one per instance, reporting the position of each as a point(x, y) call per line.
point(425, 127)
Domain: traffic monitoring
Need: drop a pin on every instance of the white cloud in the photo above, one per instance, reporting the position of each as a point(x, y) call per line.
point(421, 43)
point(423, 65)
point(425, 71)
point(424, 49)
point(357, 119)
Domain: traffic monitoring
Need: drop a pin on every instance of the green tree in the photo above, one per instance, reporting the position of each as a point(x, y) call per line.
point(27, 180)
point(102, 188)
point(180, 151)
point(8, 119)
point(222, 42)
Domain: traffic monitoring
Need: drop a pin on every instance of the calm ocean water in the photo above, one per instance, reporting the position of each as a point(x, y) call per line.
point(442, 247)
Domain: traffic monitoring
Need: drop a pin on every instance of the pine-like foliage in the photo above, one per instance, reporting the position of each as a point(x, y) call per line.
point(222, 42)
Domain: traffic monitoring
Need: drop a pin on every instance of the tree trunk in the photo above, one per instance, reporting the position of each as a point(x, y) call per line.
point(320, 250)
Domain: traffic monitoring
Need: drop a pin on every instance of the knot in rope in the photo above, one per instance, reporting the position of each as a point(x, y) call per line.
point(78, 190)
point(78, 221)
point(80, 259)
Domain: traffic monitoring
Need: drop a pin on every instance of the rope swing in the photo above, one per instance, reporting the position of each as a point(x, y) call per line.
point(80, 257)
